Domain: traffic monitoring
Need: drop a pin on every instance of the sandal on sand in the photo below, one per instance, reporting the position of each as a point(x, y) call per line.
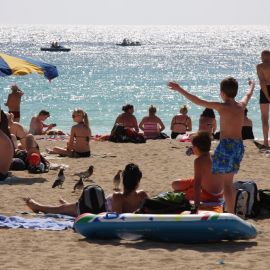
point(261, 146)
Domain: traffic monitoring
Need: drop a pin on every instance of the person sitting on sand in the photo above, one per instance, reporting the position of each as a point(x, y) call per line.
point(14, 101)
point(207, 121)
point(181, 123)
point(79, 141)
point(201, 188)
point(247, 131)
point(127, 119)
point(18, 131)
point(37, 126)
point(151, 125)
point(121, 202)
point(6, 147)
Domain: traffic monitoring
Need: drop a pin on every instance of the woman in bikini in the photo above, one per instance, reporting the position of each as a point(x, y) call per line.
point(79, 142)
point(127, 201)
point(207, 121)
point(127, 119)
point(151, 125)
point(247, 129)
point(181, 123)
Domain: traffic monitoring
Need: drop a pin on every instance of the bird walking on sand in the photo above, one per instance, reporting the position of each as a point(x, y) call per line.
point(60, 179)
point(86, 174)
point(79, 184)
point(117, 180)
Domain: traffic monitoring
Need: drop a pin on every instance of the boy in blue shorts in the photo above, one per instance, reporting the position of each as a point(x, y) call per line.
point(230, 151)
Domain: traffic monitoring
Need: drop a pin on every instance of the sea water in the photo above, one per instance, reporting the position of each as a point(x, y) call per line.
point(100, 77)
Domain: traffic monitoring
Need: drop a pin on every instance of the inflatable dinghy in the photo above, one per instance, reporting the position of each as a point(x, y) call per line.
point(183, 228)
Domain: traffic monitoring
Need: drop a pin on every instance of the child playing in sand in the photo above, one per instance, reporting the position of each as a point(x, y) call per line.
point(202, 188)
point(230, 151)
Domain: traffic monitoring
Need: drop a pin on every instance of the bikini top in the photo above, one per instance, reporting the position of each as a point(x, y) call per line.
point(86, 137)
point(180, 126)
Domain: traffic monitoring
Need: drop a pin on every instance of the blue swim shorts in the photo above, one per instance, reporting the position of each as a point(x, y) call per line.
point(227, 156)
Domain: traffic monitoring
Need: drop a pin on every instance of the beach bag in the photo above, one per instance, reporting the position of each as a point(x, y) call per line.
point(39, 165)
point(40, 168)
point(163, 135)
point(133, 136)
point(117, 133)
point(246, 202)
point(264, 198)
point(92, 200)
point(17, 164)
point(264, 201)
point(165, 203)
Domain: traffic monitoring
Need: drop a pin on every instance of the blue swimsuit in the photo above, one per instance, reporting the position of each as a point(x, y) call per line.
point(227, 156)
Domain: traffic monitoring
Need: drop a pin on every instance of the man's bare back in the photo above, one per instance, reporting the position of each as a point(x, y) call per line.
point(263, 70)
point(14, 99)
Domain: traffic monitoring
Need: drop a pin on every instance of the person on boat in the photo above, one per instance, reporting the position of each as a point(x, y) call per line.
point(151, 125)
point(18, 131)
point(79, 142)
point(127, 119)
point(127, 201)
point(14, 102)
point(202, 187)
point(181, 123)
point(247, 129)
point(207, 121)
point(125, 42)
point(37, 126)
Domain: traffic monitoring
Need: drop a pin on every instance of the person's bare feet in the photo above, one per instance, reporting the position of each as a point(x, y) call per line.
point(33, 205)
point(49, 151)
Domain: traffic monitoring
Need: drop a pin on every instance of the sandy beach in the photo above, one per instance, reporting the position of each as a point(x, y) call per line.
point(161, 162)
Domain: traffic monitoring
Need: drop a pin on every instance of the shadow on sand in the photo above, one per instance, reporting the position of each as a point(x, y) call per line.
point(224, 246)
point(13, 180)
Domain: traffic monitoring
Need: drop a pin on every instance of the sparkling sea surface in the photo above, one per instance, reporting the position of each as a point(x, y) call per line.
point(100, 77)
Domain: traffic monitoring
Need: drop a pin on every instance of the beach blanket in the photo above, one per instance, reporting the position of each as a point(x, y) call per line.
point(46, 223)
point(53, 138)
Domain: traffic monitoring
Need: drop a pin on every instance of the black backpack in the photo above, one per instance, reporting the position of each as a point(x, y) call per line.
point(92, 200)
point(246, 203)
point(264, 201)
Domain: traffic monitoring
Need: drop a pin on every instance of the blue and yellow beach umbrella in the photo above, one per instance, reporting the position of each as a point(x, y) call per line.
point(10, 65)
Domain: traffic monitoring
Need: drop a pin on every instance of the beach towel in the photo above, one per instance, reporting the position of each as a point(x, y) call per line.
point(47, 223)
